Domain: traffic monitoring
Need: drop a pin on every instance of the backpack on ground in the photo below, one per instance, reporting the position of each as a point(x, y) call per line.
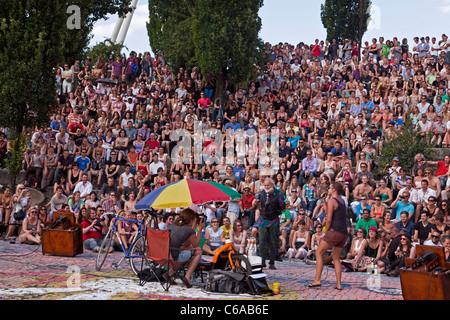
point(221, 281)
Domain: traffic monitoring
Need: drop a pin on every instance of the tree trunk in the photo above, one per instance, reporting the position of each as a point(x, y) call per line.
point(220, 88)
point(362, 12)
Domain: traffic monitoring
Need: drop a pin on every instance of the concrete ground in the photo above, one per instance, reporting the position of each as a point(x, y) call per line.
point(27, 274)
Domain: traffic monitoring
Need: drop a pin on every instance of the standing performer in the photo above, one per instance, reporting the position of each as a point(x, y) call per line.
point(335, 236)
point(272, 205)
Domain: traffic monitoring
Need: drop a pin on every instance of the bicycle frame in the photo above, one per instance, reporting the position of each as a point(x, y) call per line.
point(140, 231)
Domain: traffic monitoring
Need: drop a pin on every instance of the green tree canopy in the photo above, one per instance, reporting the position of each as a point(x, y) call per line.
point(76, 41)
point(170, 30)
point(221, 38)
point(226, 39)
point(405, 144)
point(106, 49)
point(345, 19)
point(30, 46)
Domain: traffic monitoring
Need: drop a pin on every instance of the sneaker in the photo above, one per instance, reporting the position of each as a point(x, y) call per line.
point(272, 267)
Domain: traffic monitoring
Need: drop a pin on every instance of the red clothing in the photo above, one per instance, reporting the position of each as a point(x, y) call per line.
point(92, 233)
point(247, 201)
point(153, 144)
point(316, 50)
point(203, 103)
point(442, 169)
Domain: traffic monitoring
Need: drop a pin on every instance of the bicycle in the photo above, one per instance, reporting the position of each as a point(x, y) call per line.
point(137, 248)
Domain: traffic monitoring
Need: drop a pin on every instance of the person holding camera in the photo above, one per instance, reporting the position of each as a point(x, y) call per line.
point(21, 202)
point(391, 172)
point(92, 231)
point(185, 235)
point(401, 204)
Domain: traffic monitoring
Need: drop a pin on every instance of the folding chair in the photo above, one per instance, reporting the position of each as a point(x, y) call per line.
point(159, 259)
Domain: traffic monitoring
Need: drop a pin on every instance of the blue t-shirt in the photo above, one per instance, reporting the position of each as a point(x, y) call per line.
point(82, 163)
point(294, 141)
point(337, 152)
point(399, 122)
point(56, 126)
point(402, 207)
point(359, 210)
point(370, 105)
point(239, 171)
point(235, 126)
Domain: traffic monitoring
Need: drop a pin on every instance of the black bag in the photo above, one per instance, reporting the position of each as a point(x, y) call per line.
point(150, 274)
point(19, 215)
point(257, 285)
point(225, 282)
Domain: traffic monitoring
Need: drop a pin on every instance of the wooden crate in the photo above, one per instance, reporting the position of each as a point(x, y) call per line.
point(61, 241)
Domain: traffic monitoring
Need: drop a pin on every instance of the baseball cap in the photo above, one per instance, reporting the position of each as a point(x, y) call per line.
point(396, 159)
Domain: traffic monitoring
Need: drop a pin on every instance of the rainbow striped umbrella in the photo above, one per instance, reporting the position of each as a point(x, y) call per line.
point(184, 193)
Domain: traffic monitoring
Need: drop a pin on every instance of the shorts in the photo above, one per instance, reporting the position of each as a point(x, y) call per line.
point(184, 256)
point(335, 238)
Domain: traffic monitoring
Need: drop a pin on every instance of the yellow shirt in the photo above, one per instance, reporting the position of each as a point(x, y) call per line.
point(226, 231)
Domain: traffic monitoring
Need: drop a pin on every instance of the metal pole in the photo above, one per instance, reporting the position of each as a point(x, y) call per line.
point(116, 30)
point(126, 24)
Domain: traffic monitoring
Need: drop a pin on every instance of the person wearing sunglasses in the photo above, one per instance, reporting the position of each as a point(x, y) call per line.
point(31, 228)
point(434, 240)
point(404, 250)
point(423, 196)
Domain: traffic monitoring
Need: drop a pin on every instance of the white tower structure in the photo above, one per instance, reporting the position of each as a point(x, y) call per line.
point(122, 25)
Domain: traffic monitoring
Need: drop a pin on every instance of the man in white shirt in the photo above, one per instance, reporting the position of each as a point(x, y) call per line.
point(295, 67)
point(413, 194)
point(435, 239)
point(84, 186)
point(155, 165)
point(181, 91)
point(425, 192)
point(424, 126)
point(123, 178)
point(435, 49)
point(423, 105)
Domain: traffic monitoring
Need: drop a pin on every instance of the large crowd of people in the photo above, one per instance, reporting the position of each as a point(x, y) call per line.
point(315, 115)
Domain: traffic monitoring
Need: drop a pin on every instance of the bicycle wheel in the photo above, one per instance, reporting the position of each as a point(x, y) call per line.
point(138, 253)
point(240, 264)
point(104, 249)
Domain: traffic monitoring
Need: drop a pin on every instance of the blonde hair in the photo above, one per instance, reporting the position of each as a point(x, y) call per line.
point(19, 186)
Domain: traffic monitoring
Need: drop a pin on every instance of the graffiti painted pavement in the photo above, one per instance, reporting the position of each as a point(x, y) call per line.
point(27, 274)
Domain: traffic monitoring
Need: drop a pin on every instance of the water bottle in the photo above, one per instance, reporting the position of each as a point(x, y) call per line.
point(376, 270)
